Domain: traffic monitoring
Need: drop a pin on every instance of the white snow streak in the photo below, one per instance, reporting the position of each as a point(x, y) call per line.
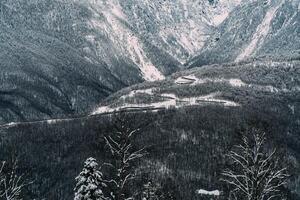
point(221, 12)
point(116, 9)
point(149, 71)
point(218, 19)
point(11, 124)
point(193, 80)
point(123, 37)
point(210, 193)
point(52, 121)
point(186, 79)
point(260, 34)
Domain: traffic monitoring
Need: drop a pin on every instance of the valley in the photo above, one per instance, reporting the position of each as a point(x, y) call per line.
point(192, 77)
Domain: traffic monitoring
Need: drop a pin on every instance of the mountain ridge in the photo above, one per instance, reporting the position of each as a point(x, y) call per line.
point(257, 29)
point(80, 51)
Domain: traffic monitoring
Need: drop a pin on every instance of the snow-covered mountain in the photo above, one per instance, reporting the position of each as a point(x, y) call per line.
point(193, 118)
point(231, 86)
point(258, 29)
point(61, 57)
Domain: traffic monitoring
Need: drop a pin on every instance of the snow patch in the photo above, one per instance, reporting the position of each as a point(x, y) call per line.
point(261, 33)
point(134, 92)
point(193, 80)
point(52, 121)
point(210, 193)
point(218, 19)
point(116, 9)
point(236, 82)
point(149, 71)
point(186, 43)
point(186, 79)
point(8, 125)
point(172, 100)
point(183, 137)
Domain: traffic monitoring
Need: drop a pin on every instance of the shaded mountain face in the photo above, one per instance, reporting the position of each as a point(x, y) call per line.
point(194, 118)
point(59, 58)
point(259, 29)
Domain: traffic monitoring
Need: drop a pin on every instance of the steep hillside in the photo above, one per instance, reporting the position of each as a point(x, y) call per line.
point(194, 118)
point(262, 28)
point(232, 85)
point(60, 57)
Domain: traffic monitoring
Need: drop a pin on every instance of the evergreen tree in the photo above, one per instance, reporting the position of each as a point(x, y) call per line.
point(150, 192)
point(90, 182)
point(170, 190)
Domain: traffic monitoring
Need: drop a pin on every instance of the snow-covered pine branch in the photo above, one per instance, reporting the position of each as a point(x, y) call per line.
point(255, 174)
point(90, 183)
point(150, 192)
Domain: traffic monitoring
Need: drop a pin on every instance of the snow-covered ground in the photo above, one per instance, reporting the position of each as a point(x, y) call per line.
point(209, 193)
point(48, 121)
point(134, 92)
point(193, 80)
point(234, 82)
point(171, 100)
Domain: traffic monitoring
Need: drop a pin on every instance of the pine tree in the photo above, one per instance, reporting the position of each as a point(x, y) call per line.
point(90, 182)
point(170, 190)
point(150, 192)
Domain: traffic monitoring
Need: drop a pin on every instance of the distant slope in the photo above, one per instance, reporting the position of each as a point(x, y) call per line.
point(42, 76)
point(261, 28)
point(193, 119)
point(232, 85)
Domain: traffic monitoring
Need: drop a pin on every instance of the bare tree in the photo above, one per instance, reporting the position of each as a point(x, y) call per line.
point(255, 174)
point(11, 184)
point(125, 156)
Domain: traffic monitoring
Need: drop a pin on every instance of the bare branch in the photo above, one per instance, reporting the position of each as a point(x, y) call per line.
point(255, 175)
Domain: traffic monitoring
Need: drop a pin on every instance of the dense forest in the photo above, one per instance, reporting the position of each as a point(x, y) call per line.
point(186, 148)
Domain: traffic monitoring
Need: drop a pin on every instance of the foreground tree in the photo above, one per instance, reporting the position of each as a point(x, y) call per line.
point(255, 174)
point(11, 184)
point(90, 182)
point(125, 156)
